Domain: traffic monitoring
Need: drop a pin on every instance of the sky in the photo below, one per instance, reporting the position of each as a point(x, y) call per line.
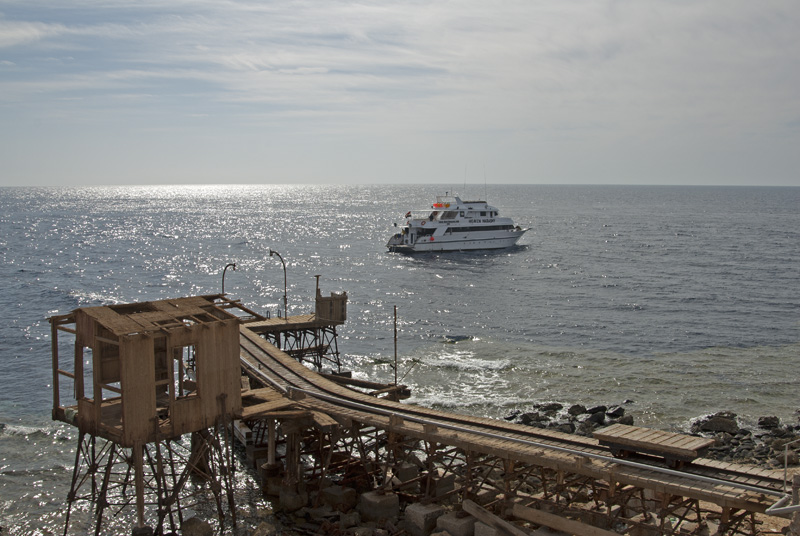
point(386, 92)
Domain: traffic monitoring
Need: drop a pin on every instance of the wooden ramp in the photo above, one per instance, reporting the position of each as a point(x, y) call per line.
point(484, 444)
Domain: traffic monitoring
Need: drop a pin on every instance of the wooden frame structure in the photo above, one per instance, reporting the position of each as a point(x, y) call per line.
point(309, 338)
point(365, 457)
point(143, 376)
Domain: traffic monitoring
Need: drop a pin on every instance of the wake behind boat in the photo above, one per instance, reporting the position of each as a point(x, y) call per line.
point(455, 225)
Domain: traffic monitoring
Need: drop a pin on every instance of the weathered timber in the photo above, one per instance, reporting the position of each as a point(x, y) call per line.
point(624, 439)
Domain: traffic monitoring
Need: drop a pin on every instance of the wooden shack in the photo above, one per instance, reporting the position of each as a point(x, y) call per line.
point(147, 371)
point(331, 309)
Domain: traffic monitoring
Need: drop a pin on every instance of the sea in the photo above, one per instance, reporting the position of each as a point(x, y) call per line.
point(673, 301)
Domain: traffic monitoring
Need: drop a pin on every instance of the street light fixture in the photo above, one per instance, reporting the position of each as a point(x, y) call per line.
point(285, 303)
point(229, 265)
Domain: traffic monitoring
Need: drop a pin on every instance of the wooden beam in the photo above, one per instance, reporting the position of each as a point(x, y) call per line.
point(485, 516)
point(323, 421)
point(558, 523)
point(260, 411)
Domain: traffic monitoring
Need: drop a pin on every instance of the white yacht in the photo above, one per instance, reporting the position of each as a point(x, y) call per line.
point(455, 225)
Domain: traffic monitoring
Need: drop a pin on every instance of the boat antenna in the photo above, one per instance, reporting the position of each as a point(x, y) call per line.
point(464, 193)
point(485, 195)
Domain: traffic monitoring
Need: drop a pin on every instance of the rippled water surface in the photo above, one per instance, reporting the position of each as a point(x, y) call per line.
point(679, 300)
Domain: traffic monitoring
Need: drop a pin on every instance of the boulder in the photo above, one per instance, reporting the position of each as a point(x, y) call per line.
point(585, 428)
point(769, 423)
point(566, 427)
point(626, 419)
point(597, 418)
point(576, 409)
point(196, 527)
point(265, 529)
point(532, 418)
point(720, 422)
point(550, 407)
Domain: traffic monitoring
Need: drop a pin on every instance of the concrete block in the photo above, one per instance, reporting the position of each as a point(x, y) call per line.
point(482, 529)
point(457, 524)
point(442, 484)
point(420, 519)
point(291, 500)
point(404, 472)
point(339, 498)
point(374, 506)
point(272, 486)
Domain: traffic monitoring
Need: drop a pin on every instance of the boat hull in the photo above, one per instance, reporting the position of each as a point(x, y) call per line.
point(463, 244)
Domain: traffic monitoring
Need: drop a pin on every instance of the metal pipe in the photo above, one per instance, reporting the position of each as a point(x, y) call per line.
point(395, 345)
point(786, 462)
point(285, 302)
point(229, 265)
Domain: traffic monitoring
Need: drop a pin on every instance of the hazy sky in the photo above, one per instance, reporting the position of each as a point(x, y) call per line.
point(530, 91)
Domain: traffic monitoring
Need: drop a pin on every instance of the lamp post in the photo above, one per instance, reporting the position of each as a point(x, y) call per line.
point(285, 303)
point(229, 265)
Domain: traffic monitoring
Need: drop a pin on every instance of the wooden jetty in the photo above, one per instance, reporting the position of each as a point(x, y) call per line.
point(513, 469)
point(169, 383)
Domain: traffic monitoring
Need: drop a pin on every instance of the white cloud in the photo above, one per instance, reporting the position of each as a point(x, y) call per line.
point(607, 80)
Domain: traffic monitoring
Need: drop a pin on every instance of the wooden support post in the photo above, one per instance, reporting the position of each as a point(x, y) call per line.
point(54, 350)
point(508, 477)
point(271, 442)
point(468, 491)
point(292, 457)
point(796, 489)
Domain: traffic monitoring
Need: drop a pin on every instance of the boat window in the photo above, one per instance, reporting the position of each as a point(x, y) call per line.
point(461, 213)
point(505, 227)
point(483, 213)
point(449, 215)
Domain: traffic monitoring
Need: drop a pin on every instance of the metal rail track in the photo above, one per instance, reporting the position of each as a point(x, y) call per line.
point(286, 376)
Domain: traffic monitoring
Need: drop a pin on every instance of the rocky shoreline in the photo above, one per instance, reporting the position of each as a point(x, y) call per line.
point(764, 445)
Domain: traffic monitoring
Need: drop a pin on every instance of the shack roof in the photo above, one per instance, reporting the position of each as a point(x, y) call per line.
point(153, 316)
